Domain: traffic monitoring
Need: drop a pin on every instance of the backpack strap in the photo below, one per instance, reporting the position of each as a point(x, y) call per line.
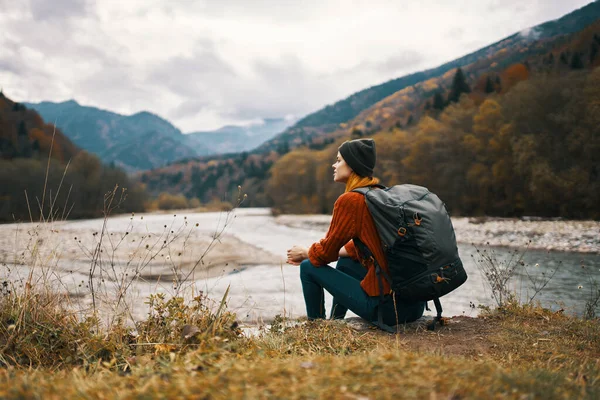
point(438, 318)
point(364, 250)
point(380, 272)
point(365, 189)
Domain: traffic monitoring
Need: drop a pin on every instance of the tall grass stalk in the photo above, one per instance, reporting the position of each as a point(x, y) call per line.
point(500, 275)
point(48, 321)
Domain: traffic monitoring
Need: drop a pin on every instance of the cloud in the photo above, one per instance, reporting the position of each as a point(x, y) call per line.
point(199, 75)
point(271, 10)
point(405, 60)
point(43, 10)
point(268, 90)
point(204, 64)
point(531, 33)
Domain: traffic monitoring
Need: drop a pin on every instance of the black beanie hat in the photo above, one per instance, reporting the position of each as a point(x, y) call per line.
point(360, 155)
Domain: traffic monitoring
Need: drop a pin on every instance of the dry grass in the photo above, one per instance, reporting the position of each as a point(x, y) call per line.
point(531, 353)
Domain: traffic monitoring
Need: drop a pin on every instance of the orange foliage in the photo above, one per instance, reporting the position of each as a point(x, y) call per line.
point(513, 75)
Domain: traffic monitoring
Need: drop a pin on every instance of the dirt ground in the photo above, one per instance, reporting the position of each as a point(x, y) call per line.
point(461, 335)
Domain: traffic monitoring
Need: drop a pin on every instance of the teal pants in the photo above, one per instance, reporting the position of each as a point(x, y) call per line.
point(343, 283)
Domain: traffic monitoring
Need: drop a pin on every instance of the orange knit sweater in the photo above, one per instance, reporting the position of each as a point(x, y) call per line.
point(351, 219)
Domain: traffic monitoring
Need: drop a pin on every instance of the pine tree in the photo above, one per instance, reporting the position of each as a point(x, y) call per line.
point(438, 101)
point(22, 130)
point(35, 148)
point(489, 85)
point(459, 86)
point(563, 58)
point(593, 51)
point(23, 140)
point(576, 62)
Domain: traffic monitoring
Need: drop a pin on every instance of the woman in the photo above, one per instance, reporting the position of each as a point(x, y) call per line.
point(353, 285)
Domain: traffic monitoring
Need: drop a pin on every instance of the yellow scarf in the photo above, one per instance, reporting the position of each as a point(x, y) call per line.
point(356, 181)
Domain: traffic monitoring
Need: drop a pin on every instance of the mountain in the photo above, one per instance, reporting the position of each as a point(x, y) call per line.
point(236, 139)
point(144, 140)
point(124, 140)
point(554, 48)
point(45, 176)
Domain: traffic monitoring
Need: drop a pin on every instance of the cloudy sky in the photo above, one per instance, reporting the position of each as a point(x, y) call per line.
point(203, 64)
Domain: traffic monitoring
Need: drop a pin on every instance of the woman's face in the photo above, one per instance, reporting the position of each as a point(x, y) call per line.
point(341, 170)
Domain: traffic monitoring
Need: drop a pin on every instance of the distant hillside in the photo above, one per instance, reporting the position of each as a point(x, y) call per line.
point(71, 184)
point(144, 141)
point(494, 70)
point(236, 139)
point(23, 134)
point(118, 138)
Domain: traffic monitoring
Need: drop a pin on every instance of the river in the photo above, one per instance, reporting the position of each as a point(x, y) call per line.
point(261, 285)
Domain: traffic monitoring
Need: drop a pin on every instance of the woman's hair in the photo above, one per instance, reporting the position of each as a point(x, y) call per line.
point(356, 181)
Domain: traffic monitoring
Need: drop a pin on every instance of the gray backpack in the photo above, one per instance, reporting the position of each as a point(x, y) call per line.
point(419, 244)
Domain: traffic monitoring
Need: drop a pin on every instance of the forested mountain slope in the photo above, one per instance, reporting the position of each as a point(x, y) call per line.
point(73, 184)
point(294, 176)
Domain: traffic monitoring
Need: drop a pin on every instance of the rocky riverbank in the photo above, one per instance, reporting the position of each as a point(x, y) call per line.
point(551, 235)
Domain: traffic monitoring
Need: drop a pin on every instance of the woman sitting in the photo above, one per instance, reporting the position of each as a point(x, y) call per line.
point(353, 284)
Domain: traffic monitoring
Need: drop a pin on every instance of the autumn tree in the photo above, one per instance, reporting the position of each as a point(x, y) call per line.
point(513, 75)
point(292, 186)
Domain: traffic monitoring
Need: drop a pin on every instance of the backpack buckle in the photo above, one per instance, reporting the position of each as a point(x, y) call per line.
point(417, 218)
point(365, 261)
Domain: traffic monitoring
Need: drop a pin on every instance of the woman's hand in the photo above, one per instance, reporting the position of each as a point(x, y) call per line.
point(296, 255)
